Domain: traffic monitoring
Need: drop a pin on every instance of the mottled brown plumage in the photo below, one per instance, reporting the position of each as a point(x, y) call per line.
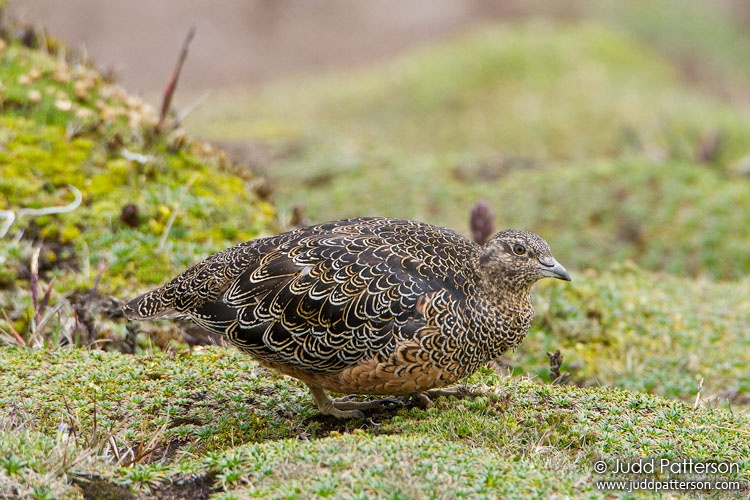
point(366, 306)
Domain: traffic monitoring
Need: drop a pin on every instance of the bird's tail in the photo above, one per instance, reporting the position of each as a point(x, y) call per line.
point(151, 305)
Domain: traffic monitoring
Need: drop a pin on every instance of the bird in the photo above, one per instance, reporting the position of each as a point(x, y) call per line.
point(364, 306)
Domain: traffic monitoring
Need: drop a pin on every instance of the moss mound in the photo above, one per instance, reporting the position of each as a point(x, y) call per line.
point(111, 200)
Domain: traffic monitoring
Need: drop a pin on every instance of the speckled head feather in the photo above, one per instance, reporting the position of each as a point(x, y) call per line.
point(367, 305)
point(514, 260)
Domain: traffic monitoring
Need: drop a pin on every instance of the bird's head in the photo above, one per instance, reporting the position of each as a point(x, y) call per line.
point(517, 259)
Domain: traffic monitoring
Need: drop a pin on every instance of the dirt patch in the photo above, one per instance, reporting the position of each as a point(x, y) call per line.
point(95, 488)
point(321, 426)
point(196, 487)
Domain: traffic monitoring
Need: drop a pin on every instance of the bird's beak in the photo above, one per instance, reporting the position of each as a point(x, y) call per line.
point(553, 269)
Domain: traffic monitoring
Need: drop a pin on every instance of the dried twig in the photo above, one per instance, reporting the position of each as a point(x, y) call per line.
point(189, 109)
point(34, 285)
point(56, 210)
point(40, 319)
point(11, 216)
point(16, 336)
point(173, 215)
point(172, 85)
point(143, 452)
point(698, 395)
point(725, 428)
point(136, 157)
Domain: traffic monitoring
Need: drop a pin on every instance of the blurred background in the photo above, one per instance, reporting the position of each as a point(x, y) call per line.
point(626, 123)
point(242, 43)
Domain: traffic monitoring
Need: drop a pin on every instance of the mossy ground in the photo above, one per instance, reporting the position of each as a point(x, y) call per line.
point(215, 418)
point(631, 167)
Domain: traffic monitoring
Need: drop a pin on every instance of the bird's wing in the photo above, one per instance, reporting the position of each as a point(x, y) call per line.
point(335, 294)
point(204, 282)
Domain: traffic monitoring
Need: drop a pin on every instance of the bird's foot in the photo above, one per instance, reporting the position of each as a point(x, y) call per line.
point(348, 403)
point(459, 391)
point(424, 399)
point(345, 407)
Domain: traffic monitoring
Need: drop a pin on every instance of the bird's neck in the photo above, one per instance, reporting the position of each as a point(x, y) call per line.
point(501, 291)
point(503, 317)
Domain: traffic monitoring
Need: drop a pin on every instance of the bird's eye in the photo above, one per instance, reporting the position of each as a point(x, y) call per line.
point(519, 249)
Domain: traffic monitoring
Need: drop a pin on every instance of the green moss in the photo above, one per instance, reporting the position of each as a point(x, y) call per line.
point(250, 433)
point(644, 332)
point(65, 130)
